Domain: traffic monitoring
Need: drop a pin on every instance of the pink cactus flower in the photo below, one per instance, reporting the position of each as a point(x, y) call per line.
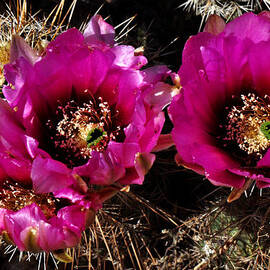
point(221, 117)
point(82, 114)
point(48, 221)
point(84, 108)
point(43, 222)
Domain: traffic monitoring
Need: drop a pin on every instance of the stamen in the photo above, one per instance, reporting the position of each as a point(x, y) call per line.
point(14, 197)
point(248, 125)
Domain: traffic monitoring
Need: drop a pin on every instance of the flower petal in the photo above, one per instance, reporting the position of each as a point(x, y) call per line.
point(88, 69)
point(243, 28)
point(19, 48)
point(102, 169)
point(129, 85)
point(98, 32)
point(164, 142)
point(49, 175)
point(17, 222)
point(16, 149)
point(125, 57)
point(260, 66)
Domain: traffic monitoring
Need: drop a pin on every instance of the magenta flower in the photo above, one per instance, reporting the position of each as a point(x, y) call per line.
point(81, 115)
point(221, 118)
point(46, 222)
point(82, 109)
point(30, 230)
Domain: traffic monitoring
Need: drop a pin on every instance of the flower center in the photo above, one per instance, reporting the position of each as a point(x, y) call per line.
point(78, 130)
point(14, 197)
point(248, 125)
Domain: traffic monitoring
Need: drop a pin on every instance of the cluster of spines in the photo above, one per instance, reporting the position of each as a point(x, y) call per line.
point(226, 9)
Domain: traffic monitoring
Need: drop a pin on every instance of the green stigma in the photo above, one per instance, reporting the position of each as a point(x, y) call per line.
point(94, 136)
point(265, 129)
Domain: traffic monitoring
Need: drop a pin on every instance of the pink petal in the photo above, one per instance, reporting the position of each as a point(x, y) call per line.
point(17, 149)
point(243, 28)
point(225, 178)
point(19, 48)
point(3, 213)
point(124, 152)
point(98, 31)
point(160, 95)
point(89, 69)
point(73, 217)
point(260, 67)
point(192, 166)
point(51, 237)
point(164, 142)
point(66, 43)
point(152, 130)
point(155, 74)
point(265, 14)
point(49, 175)
point(252, 173)
point(27, 102)
point(69, 193)
point(125, 57)
point(129, 85)
point(102, 168)
point(17, 222)
point(265, 161)
point(262, 184)
point(108, 89)
point(143, 163)
point(16, 168)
